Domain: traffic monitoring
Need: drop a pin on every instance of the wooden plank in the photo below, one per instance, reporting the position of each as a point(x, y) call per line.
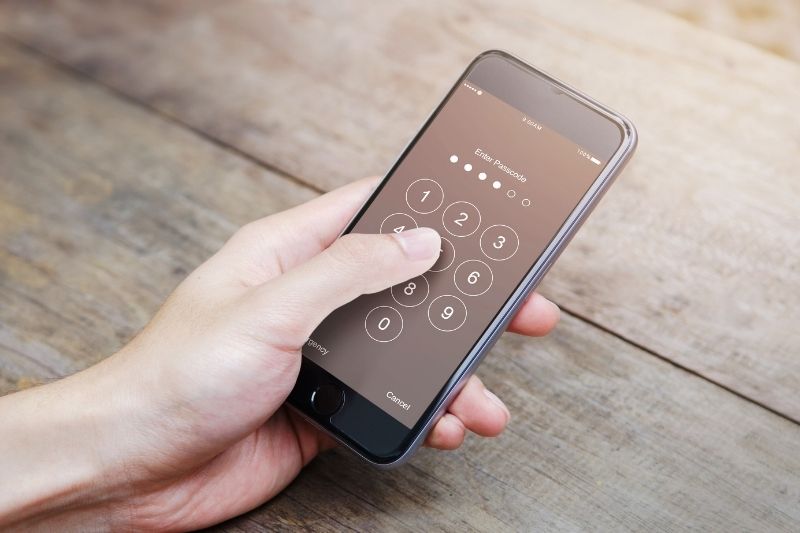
point(768, 24)
point(686, 257)
point(105, 207)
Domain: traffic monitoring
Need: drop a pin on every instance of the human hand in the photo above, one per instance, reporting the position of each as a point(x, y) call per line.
point(186, 425)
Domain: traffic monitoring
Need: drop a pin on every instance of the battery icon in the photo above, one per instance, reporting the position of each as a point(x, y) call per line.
point(594, 160)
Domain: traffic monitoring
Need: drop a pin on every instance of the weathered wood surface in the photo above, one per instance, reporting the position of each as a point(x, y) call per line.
point(105, 207)
point(691, 256)
point(769, 24)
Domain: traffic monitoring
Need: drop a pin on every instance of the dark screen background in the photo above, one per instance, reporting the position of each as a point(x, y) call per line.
point(414, 366)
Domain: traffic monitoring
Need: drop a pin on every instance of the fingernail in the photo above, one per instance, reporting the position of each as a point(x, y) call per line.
point(419, 243)
point(489, 394)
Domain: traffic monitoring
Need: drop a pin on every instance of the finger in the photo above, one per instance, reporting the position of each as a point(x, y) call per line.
point(353, 265)
point(310, 440)
point(536, 318)
point(267, 246)
point(479, 409)
point(447, 434)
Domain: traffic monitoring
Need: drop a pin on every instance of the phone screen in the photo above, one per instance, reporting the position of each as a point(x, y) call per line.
point(497, 182)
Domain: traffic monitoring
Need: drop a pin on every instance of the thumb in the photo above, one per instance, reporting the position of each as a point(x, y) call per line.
point(296, 302)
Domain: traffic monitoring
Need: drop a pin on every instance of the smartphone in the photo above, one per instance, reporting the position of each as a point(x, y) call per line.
point(506, 169)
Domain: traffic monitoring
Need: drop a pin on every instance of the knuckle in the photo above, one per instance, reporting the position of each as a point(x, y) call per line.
point(278, 325)
point(250, 232)
point(359, 250)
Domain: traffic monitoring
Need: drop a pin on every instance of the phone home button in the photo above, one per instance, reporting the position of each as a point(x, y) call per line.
point(327, 399)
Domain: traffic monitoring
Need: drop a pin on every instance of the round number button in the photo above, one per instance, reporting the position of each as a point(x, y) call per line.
point(424, 196)
point(461, 219)
point(447, 253)
point(473, 277)
point(397, 222)
point(412, 292)
point(384, 323)
point(499, 242)
point(447, 313)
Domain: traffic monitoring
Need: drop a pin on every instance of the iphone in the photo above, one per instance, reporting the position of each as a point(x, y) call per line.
point(506, 169)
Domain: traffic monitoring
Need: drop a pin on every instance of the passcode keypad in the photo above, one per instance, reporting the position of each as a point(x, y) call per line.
point(456, 220)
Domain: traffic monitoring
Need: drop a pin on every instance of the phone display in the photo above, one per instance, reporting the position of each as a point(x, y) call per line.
point(498, 179)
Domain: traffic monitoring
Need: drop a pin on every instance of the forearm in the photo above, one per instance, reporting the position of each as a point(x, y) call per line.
point(51, 465)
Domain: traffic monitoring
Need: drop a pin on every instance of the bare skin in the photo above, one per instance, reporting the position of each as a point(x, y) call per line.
point(186, 425)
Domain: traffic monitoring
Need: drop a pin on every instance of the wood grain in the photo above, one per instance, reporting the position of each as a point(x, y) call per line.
point(691, 255)
point(769, 24)
point(104, 207)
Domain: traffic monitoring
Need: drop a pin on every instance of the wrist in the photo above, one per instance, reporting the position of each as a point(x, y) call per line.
point(56, 447)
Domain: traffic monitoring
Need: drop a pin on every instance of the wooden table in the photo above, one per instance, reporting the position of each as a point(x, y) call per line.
point(136, 136)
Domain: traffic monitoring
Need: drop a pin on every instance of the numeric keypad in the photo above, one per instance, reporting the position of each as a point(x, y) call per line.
point(472, 277)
